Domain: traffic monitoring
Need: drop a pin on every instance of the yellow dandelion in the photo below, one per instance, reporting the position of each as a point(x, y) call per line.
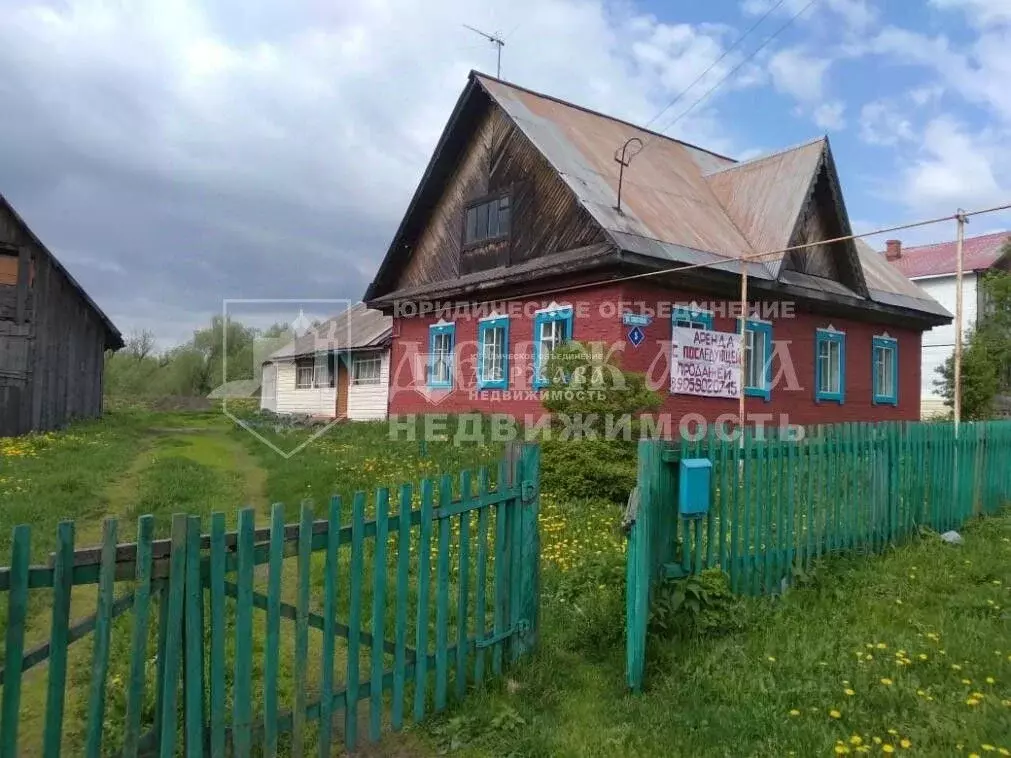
point(893, 732)
point(923, 656)
point(881, 646)
point(887, 748)
point(967, 681)
point(988, 748)
point(849, 692)
point(877, 740)
point(905, 743)
point(856, 739)
point(1003, 751)
point(772, 659)
point(841, 750)
point(886, 681)
point(972, 701)
point(955, 667)
point(794, 712)
point(835, 714)
point(991, 680)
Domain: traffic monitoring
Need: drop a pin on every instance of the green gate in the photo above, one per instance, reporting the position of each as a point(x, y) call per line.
point(369, 623)
point(774, 502)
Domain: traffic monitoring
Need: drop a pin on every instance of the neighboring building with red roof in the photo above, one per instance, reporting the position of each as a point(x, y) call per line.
point(518, 239)
point(933, 268)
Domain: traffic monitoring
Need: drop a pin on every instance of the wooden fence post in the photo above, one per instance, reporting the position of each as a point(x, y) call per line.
point(639, 563)
point(528, 612)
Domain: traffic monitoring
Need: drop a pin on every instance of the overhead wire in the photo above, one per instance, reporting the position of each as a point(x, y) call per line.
point(714, 64)
point(755, 256)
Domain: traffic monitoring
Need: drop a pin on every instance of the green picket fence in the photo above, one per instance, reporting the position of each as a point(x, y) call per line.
point(778, 503)
point(352, 636)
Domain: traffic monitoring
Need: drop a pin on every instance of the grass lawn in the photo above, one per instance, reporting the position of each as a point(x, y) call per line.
point(912, 647)
point(909, 652)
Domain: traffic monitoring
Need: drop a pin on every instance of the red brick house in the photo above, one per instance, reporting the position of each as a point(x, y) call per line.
point(514, 243)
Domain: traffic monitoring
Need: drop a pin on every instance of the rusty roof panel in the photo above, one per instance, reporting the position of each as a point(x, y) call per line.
point(664, 194)
point(764, 197)
point(887, 285)
point(666, 251)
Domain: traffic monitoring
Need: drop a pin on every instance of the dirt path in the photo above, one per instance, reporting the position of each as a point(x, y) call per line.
point(208, 446)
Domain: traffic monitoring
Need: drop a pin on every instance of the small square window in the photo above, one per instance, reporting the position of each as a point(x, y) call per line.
point(365, 369)
point(487, 220)
point(758, 359)
point(493, 353)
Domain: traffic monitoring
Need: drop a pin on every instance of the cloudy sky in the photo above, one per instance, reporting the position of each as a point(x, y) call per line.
point(174, 154)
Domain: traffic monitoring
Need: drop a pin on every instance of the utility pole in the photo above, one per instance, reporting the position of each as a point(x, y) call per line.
point(495, 39)
point(962, 221)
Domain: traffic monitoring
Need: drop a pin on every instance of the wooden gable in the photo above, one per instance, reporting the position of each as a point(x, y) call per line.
point(823, 217)
point(495, 159)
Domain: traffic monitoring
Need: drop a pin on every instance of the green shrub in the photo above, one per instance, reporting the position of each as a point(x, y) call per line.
point(702, 606)
point(588, 468)
point(591, 451)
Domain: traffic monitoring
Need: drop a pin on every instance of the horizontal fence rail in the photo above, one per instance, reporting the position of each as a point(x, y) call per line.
point(777, 503)
point(286, 639)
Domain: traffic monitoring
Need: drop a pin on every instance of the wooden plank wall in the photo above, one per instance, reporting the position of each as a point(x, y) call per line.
point(545, 217)
point(51, 363)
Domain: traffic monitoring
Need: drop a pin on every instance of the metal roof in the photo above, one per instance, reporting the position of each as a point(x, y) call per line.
point(664, 194)
point(887, 285)
point(764, 197)
point(357, 328)
point(680, 203)
point(978, 254)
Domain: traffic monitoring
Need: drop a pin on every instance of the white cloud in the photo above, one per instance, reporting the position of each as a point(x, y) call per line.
point(829, 115)
point(856, 14)
point(883, 123)
point(954, 168)
point(979, 12)
point(799, 74)
point(274, 147)
point(979, 72)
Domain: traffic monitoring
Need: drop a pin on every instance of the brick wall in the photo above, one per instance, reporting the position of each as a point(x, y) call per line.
point(596, 318)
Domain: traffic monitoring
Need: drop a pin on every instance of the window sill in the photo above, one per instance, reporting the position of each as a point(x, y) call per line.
point(766, 395)
point(886, 401)
point(829, 399)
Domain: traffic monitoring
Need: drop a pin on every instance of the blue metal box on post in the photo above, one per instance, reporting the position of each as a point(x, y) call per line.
point(694, 487)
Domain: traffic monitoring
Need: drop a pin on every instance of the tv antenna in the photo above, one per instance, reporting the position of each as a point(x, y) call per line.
point(495, 39)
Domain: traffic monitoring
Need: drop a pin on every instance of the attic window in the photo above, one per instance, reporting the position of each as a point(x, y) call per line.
point(8, 266)
point(486, 220)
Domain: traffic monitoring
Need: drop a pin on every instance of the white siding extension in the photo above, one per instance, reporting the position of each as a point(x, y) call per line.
point(317, 402)
point(368, 402)
point(939, 342)
point(268, 387)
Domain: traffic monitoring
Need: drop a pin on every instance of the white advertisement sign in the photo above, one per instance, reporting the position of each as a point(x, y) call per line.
point(705, 363)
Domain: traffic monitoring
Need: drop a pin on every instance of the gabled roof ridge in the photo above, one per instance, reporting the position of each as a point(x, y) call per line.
point(767, 156)
point(475, 74)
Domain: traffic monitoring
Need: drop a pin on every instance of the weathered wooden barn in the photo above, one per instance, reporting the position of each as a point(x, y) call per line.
point(53, 337)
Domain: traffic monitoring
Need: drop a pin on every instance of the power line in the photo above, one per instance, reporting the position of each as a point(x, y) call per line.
point(740, 65)
point(714, 64)
point(757, 256)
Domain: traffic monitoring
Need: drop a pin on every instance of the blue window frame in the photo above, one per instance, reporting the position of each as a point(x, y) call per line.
point(757, 358)
point(885, 370)
point(830, 366)
point(493, 353)
point(692, 317)
point(551, 328)
point(441, 344)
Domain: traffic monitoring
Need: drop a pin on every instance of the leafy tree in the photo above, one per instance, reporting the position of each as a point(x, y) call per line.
point(986, 355)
